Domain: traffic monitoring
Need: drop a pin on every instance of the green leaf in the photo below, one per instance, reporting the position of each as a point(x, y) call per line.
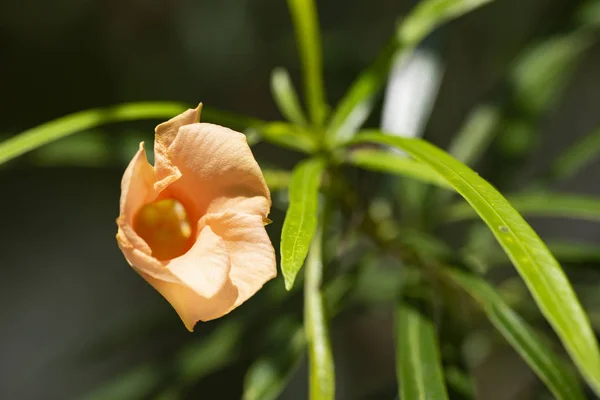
point(542, 73)
point(276, 179)
point(540, 271)
point(357, 103)
point(320, 356)
point(270, 373)
point(306, 26)
point(475, 136)
point(418, 362)
point(384, 161)
point(540, 357)
point(577, 157)
point(81, 121)
point(286, 98)
point(139, 383)
point(539, 205)
point(301, 219)
point(287, 135)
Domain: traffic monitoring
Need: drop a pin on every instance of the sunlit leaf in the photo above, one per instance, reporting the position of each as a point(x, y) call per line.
point(306, 25)
point(86, 120)
point(301, 219)
point(541, 272)
point(286, 98)
point(384, 161)
point(540, 357)
point(357, 103)
point(418, 361)
point(539, 205)
point(287, 135)
point(320, 357)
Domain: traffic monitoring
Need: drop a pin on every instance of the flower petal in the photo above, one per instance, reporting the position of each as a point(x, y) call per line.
point(136, 190)
point(137, 185)
point(192, 307)
point(250, 250)
point(218, 170)
point(165, 134)
point(205, 267)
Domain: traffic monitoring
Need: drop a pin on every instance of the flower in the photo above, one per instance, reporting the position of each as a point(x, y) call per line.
point(193, 226)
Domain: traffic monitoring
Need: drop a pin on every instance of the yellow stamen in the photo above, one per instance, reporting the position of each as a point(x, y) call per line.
point(164, 225)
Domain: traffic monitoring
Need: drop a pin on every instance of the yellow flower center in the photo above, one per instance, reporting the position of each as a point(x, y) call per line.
point(164, 225)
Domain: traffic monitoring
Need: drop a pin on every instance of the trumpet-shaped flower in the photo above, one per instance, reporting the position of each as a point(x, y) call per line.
point(193, 225)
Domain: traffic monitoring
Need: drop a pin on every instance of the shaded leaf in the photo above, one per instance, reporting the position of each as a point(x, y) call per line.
point(539, 356)
point(418, 361)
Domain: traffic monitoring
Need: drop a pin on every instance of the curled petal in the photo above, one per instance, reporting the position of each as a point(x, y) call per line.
point(165, 134)
point(137, 185)
point(205, 267)
point(192, 307)
point(218, 171)
point(250, 250)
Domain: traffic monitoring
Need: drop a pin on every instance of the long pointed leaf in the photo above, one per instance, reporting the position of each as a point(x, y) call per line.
point(539, 205)
point(301, 219)
point(384, 161)
point(84, 120)
point(418, 363)
point(540, 271)
point(540, 357)
point(286, 98)
point(306, 25)
point(576, 157)
point(357, 103)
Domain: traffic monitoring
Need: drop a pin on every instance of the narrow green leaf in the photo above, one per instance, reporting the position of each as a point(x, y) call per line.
point(270, 373)
point(286, 98)
point(475, 136)
point(306, 26)
point(564, 251)
point(384, 161)
point(418, 361)
point(540, 357)
point(73, 123)
point(539, 205)
point(540, 271)
point(577, 157)
point(287, 135)
point(320, 356)
point(357, 103)
point(139, 383)
point(85, 120)
point(277, 179)
point(544, 70)
point(301, 219)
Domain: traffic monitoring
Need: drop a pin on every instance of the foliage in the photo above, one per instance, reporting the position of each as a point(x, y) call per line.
point(325, 210)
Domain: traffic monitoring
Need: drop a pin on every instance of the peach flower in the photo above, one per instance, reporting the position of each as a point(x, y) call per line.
point(193, 225)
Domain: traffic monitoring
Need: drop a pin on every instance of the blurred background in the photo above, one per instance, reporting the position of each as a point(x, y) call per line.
point(73, 314)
